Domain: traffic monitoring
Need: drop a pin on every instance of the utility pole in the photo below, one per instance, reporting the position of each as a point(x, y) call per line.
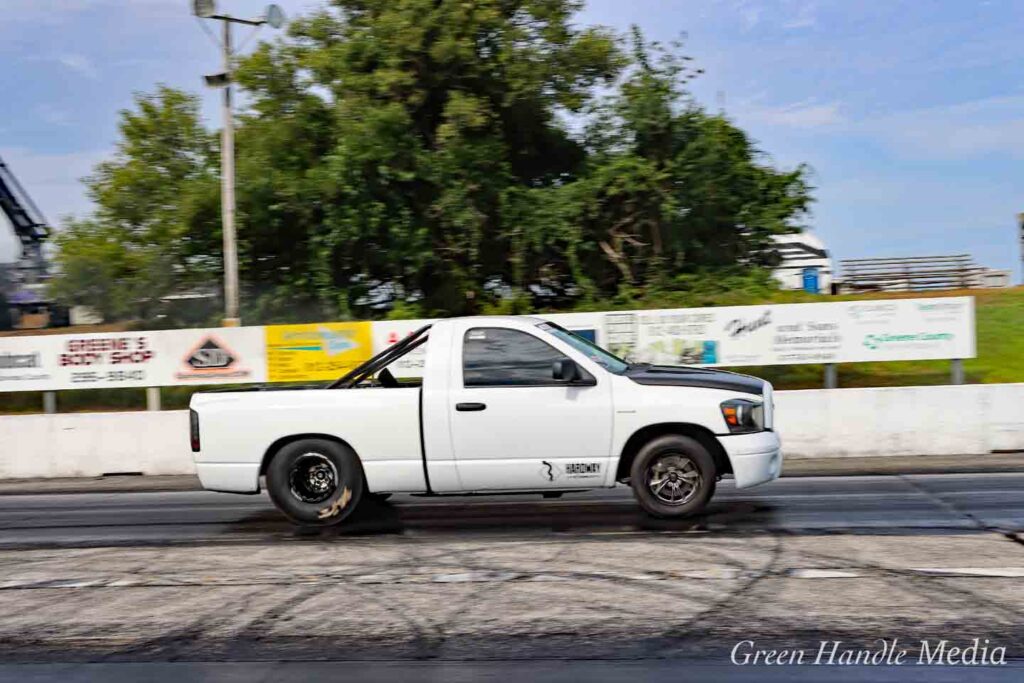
point(227, 193)
point(206, 9)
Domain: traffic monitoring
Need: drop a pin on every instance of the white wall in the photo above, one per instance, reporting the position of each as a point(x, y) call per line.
point(947, 420)
point(91, 444)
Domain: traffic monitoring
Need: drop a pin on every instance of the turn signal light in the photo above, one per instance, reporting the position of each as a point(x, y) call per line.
point(743, 416)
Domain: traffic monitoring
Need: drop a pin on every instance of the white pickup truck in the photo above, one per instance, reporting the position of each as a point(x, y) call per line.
point(505, 405)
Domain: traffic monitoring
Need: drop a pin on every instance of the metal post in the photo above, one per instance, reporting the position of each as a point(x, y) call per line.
point(956, 371)
point(1020, 226)
point(206, 9)
point(227, 174)
point(831, 376)
point(152, 398)
point(49, 402)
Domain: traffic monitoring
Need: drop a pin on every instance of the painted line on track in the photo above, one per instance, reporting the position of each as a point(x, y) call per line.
point(484, 576)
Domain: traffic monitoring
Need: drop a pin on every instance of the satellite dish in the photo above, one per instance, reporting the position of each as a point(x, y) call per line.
point(204, 9)
point(274, 16)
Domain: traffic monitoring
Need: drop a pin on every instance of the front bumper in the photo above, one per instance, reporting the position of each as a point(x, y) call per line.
point(755, 458)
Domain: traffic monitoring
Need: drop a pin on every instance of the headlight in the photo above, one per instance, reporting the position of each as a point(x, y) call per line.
point(743, 416)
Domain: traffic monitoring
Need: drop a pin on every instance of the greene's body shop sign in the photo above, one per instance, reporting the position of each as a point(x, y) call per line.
point(132, 359)
point(840, 332)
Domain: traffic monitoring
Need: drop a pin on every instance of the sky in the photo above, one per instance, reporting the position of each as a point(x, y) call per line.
point(910, 115)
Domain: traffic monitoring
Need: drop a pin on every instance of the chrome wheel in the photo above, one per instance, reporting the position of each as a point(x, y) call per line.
point(313, 478)
point(673, 479)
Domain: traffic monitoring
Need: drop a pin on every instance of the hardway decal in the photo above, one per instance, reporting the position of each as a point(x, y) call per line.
point(572, 470)
point(583, 469)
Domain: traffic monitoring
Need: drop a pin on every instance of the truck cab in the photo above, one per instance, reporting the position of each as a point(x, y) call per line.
point(504, 404)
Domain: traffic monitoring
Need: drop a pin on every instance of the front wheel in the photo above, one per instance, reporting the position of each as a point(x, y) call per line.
point(315, 482)
point(673, 476)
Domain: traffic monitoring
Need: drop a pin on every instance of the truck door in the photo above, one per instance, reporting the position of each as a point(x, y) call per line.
point(513, 425)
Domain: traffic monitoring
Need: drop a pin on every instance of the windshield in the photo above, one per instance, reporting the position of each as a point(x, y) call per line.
point(605, 359)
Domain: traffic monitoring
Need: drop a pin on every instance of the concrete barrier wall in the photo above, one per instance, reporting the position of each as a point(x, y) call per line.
point(947, 420)
point(92, 444)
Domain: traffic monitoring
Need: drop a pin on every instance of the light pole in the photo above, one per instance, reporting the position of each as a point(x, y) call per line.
point(207, 9)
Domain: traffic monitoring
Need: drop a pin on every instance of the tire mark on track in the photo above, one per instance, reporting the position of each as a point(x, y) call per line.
point(721, 608)
point(936, 589)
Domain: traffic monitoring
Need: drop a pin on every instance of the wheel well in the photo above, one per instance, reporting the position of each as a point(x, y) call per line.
point(642, 436)
point(285, 440)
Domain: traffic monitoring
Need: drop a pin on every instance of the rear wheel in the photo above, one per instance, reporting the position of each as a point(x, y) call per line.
point(673, 476)
point(315, 482)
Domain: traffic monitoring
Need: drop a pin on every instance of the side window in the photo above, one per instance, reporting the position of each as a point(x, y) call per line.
point(496, 357)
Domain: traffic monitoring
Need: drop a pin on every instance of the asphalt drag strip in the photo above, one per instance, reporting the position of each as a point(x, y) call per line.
point(97, 585)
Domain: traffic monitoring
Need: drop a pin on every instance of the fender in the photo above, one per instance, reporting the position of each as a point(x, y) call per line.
point(698, 432)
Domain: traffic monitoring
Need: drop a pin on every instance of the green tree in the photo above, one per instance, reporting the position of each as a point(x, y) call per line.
point(282, 142)
point(674, 190)
point(439, 157)
point(444, 114)
point(155, 229)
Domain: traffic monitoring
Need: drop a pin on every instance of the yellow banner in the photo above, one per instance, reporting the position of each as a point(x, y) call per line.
point(320, 351)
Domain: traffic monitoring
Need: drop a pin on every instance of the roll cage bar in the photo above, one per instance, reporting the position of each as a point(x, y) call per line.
point(382, 359)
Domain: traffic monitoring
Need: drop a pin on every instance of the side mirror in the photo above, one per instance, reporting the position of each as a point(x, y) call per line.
point(565, 370)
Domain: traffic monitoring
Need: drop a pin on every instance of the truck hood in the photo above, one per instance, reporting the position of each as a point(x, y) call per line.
point(679, 376)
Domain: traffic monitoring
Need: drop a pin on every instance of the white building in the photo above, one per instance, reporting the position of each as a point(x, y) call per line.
point(804, 263)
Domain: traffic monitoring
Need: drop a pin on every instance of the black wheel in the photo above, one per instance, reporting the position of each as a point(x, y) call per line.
point(673, 476)
point(315, 482)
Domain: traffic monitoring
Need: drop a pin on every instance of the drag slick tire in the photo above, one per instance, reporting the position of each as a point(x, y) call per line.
point(315, 482)
point(673, 476)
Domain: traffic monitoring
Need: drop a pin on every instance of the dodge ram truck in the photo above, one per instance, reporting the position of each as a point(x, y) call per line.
point(505, 404)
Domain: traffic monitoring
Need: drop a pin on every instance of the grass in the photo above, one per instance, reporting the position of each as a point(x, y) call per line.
point(1000, 335)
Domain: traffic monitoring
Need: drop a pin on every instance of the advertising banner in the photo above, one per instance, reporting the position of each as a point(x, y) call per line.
point(586, 325)
point(316, 352)
point(786, 334)
point(387, 332)
point(132, 359)
point(224, 355)
point(27, 363)
point(106, 361)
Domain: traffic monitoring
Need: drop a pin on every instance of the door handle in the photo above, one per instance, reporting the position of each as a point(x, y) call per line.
point(470, 407)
